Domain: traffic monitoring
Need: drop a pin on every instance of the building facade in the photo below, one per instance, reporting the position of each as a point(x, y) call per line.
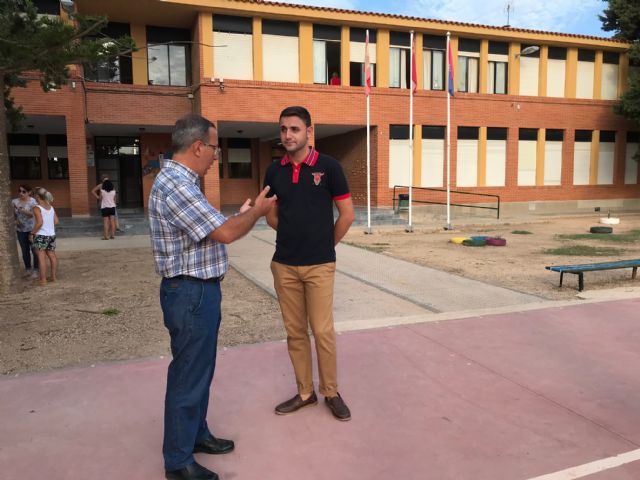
point(531, 117)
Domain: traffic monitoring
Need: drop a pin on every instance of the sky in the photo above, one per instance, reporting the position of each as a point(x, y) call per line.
point(564, 16)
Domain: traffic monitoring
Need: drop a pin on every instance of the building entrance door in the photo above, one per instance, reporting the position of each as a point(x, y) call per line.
point(119, 159)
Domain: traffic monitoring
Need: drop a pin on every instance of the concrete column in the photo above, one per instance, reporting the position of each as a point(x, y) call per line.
point(514, 69)
point(540, 144)
point(306, 52)
point(382, 58)
point(345, 56)
point(482, 157)
point(483, 68)
point(204, 47)
point(139, 57)
point(597, 76)
point(543, 70)
point(595, 153)
point(79, 186)
point(257, 48)
point(571, 73)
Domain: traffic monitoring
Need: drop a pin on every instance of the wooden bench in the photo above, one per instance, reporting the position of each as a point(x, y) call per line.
point(592, 267)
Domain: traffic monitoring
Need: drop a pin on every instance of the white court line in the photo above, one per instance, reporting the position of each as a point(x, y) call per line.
point(592, 467)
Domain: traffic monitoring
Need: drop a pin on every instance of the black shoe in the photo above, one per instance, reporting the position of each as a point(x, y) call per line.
point(338, 407)
point(296, 403)
point(214, 446)
point(193, 471)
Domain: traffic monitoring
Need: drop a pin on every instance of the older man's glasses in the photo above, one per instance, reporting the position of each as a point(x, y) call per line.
point(216, 149)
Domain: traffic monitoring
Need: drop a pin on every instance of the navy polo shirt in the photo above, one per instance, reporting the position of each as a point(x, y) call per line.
point(306, 193)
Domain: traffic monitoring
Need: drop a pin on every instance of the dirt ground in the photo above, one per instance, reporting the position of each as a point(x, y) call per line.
point(520, 264)
point(64, 324)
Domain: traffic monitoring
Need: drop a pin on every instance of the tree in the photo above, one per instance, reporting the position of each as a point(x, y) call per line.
point(46, 46)
point(623, 18)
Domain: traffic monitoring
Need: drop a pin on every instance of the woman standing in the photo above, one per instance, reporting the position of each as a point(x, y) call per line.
point(23, 212)
point(107, 199)
point(43, 235)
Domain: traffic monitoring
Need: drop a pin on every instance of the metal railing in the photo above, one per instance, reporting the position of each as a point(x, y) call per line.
point(420, 198)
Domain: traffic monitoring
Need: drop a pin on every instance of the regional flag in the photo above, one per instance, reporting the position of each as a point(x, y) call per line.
point(450, 68)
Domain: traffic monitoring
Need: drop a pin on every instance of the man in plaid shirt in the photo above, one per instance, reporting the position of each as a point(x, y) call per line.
point(188, 237)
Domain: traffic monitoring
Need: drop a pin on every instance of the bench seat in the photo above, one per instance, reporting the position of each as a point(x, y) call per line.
point(592, 267)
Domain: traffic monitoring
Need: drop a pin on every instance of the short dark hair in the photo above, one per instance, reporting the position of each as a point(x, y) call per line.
point(300, 112)
point(107, 186)
point(25, 187)
point(188, 129)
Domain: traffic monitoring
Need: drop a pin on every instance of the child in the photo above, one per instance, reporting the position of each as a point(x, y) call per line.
point(43, 235)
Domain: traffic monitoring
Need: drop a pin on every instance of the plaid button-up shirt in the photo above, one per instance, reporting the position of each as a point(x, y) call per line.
point(180, 220)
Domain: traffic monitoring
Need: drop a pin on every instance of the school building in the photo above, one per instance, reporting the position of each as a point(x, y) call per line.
point(531, 118)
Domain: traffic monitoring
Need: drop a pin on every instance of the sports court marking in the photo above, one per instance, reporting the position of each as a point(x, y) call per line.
point(592, 467)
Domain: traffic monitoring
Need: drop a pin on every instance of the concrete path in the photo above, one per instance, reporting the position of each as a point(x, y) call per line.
point(370, 285)
point(511, 396)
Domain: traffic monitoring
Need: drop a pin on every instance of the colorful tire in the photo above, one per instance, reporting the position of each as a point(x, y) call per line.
point(496, 241)
point(474, 243)
point(601, 229)
point(479, 237)
point(458, 240)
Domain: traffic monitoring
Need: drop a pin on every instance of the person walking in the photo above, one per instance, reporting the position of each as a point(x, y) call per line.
point(23, 213)
point(308, 184)
point(188, 237)
point(43, 235)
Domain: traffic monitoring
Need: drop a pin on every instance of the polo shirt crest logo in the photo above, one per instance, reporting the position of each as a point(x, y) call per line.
point(317, 177)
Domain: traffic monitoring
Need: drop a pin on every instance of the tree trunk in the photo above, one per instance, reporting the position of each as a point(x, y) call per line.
point(9, 264)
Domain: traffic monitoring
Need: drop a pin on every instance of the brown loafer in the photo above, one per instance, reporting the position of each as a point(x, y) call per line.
point(338, 408)
point(295, 404)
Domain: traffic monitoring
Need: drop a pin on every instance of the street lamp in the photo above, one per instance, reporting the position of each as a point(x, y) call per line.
point(528, 50)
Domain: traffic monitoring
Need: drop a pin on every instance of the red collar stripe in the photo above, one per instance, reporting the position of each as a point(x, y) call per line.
point(311, 159)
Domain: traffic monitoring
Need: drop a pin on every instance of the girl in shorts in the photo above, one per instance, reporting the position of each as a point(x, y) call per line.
point(43, 235)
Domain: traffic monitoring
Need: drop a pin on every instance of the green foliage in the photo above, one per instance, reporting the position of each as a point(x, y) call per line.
point(110, 312)
point(521, 232)
point(46, 45)
point(584, 250)
point(623, 18)
point(628, 237)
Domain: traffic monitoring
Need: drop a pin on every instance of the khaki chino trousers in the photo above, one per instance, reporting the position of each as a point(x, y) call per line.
point(305, 294)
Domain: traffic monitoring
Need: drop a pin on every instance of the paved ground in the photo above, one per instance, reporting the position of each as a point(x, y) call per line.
point(516, 389)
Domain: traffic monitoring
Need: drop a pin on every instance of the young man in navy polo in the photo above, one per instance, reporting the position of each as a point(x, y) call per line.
point(308, 184)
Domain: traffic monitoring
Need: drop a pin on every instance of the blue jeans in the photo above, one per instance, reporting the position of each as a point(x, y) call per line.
point(191, 311)
point(25, 247)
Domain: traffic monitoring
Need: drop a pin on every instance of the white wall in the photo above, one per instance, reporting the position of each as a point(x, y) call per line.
point(552, 163)
point(399, 152)
point(630, 164)
point(496, 163)
point(605, 163)
point(527, 155)
point(467, 163)
point(432, 168)
point(356, 52)
point(609, 81)
point(581, 163)
point(555, 77)
point(529, 75)
point(280, 58)
point(584, 86)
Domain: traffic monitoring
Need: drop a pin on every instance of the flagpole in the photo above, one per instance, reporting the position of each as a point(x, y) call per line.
point(448, 226)
point(409, 227)
point(367, 88)
point(368, 167)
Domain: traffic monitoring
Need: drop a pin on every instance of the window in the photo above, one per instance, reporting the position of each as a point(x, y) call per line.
point(168, 56)
point(586, 72)
point(326, 54)
point(57, 157)
point(115, 69)
point(527, 156)
point(399, 155)
point(606, 156)
point(47, 7)
point(529, 70)
point(280, 57)
point(496, 158)
point(498, 66)
point(610, 70)
point(433, 147)
point(399, 60)
point(24, 156)
point(468, 58)
point(235, 60)
point(356, 53)
point(467, 157)
point(631, 158)
point(556, 71)
point(553, 156)
point(239, 158)
point(582, 157)
point(433, 58)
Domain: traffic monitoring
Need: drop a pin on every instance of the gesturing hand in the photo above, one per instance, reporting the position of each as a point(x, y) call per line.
point(264, 204)
point(245, 206)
